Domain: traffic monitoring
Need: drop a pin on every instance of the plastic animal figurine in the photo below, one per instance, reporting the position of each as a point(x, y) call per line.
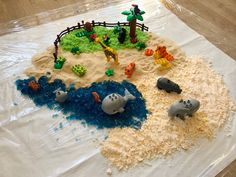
point(79, 70)
point(148, 52)
point(122, 35)
point(88, 26)
point(130, 69)
point(115, 103)
point(136, 9)
point(96, 97)
point(106, 39)
point(183, 108)
point(161, 52)
point(168, 85)
point(165, 64)
point(108, 51)
point(33, 85)
point(61, 96)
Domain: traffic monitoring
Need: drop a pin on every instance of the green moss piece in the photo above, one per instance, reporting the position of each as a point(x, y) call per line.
point(75, 50)
point(70, 40)
point(116, 29)
point(109, 72)
point(79, 70)
point(140, 45)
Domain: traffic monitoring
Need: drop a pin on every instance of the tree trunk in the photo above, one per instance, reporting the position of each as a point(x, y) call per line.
point(132, 33)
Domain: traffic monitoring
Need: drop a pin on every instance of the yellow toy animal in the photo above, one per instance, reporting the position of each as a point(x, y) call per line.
point(162, 57)
point(165, 64)
point(108, 51)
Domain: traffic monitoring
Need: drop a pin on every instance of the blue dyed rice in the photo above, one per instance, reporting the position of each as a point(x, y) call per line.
point(81, 105)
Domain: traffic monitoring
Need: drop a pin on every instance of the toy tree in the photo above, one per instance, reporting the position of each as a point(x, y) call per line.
point(132, 15)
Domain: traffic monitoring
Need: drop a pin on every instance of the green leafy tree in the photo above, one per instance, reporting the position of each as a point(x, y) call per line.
point(132, 15)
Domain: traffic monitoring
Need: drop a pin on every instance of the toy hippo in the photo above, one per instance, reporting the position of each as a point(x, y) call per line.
point(183, 108)
point(61, 96)
point(114, 103)
point(122, 35)
point(168, 85)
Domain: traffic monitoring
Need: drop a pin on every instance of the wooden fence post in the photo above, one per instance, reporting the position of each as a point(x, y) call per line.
point(58, 38)
point(82, 22)
point(68, 29)
point(104, 24)
point(78, 25)
point(118, 23)
point(55, 57)
point(93, 23)
point(142, 27)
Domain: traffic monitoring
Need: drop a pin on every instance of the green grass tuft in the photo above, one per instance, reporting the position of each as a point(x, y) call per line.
point(70, 41)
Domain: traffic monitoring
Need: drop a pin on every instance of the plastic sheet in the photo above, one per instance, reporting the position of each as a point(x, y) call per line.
point(38, 142)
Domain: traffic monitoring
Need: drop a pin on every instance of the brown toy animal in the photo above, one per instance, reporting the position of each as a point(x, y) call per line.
point(130, 69)
point(33, 85)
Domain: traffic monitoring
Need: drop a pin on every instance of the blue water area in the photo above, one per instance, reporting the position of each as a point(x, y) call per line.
point(80, 104)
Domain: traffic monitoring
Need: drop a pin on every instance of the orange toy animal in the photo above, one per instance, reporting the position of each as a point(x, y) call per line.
point(33, 85)
point(96, 97)
point(130, 69)
point(161, 52)
point(148, 52)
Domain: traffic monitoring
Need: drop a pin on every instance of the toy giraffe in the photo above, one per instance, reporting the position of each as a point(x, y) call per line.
point(109, 52)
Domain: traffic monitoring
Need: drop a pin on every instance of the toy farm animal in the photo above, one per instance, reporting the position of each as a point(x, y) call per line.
point(130, 69)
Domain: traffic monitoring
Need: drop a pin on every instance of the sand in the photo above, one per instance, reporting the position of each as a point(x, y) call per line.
point(96, 64)
point(159, 135)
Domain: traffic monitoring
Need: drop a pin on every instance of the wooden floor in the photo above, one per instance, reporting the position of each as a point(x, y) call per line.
point(214, 19)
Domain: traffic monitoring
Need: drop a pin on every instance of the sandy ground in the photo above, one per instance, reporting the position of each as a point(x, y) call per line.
point(96, 64)
point(159, 135)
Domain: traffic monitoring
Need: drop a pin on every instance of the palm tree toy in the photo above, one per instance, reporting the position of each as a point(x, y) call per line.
point(132, 15)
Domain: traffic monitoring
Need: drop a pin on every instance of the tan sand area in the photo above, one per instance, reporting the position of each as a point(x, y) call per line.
point(159, 135)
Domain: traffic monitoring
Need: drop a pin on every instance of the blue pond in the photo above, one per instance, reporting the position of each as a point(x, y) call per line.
point(81, 105)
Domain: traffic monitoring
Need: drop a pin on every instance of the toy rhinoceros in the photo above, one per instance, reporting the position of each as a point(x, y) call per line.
point(183, 108)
